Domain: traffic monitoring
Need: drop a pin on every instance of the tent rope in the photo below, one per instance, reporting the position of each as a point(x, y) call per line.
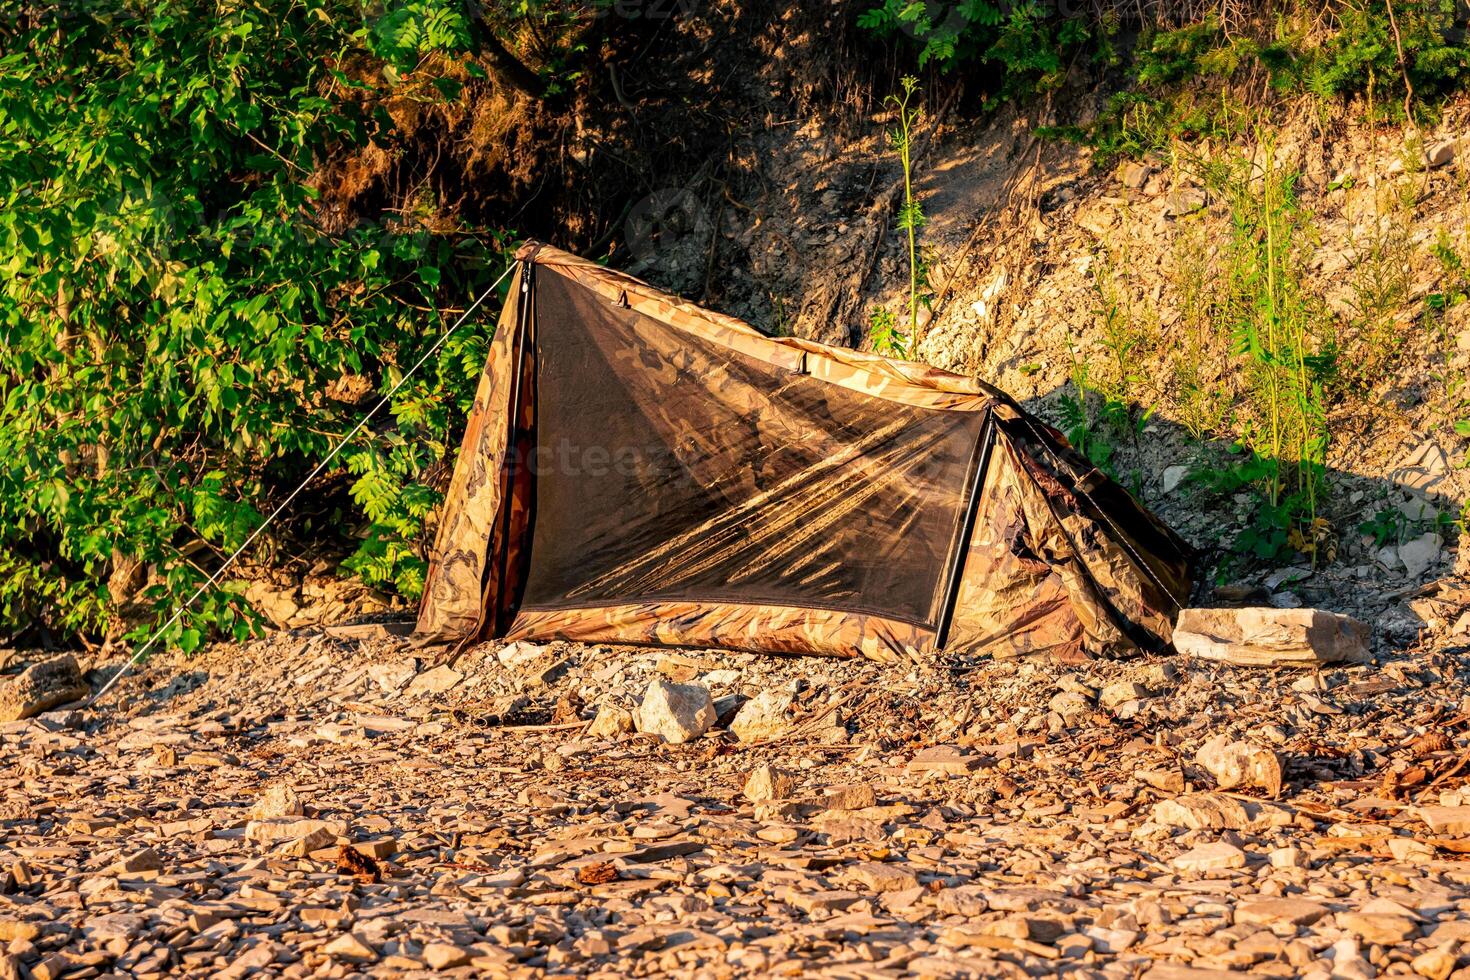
point(179, 610)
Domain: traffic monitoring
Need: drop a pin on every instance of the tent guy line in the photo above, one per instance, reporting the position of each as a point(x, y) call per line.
point(137, 657)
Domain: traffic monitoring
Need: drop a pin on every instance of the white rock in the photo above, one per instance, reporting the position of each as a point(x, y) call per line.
point(1240, 763)
point(676, 712)
point(519, 654)
point(434, 681)
point(1288, 857)
point(351, 947)
point(1423, 470)
point(765, 716)
point(1134, 175)
point(391, 676)
point(1420, 554)
point(1348, 963)
point(1119, 693)
point(1173, 477)
point(611, 721)
point(1409, 850)
point(279, 829)
point(1211, 857)
point(1071, 705)
point(279, 800)
point(1388, 557)
point(1216, 811)
point(1416, 508)
point(719, 678)
point(767, 783)
point(1184, 200)
point(1436, 964)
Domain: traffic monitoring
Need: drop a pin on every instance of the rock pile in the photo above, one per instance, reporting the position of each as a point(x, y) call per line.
point(277, 809)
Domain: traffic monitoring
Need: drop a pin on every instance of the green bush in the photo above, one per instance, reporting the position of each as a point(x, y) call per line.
point(1179, 87)
point(1364, 50)
point(1030, 43)
point(182, 333)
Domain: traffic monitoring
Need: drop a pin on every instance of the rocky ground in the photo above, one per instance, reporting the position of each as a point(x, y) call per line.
point(325, 803)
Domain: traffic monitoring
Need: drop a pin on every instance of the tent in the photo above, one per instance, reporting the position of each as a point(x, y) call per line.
point(639, 470)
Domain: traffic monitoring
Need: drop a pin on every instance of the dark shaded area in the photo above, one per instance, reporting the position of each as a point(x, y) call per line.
point(657, 97)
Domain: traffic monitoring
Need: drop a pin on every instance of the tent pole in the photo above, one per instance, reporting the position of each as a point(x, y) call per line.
point(972, 507)
point(523, 323)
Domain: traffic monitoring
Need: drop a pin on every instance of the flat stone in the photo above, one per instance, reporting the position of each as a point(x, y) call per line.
point(146, 859)
point(876, 876)
point(1454, 931)
point(519, 654)
point(1184, 200)
point(1111, 940)
point(1269, 911)
point(1120, 693)
point(117, 925)
point(1436, 964)
point(437, 680)
point(1385, 930)
point(290, 828)
point(821, 901)
point(854, 796)
point(1168, 780)
point(944, 758)
point(1032, 927)
point(1409, 850)
point(1133, 175)
point(1211, 857)
point(314, 840)
point(1266, 636)
point(1073, 706)
point(1173, 477)
point(279, 800)
point(965, 936)
point(41, 687)
point(1215, 811)
point(392, 676)
point(351, 947)
point(1421, 553)
point(445, 956)
point(1451, 821)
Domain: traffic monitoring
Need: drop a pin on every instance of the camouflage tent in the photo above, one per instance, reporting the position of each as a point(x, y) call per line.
point(640, 470)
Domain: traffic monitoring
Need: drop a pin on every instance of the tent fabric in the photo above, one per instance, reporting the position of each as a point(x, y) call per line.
point(636, 469)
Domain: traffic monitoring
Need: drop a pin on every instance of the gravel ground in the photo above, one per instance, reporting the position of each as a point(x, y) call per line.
point(323, 803)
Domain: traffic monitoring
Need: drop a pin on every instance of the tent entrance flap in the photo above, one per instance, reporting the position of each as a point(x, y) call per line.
point(671, 468)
